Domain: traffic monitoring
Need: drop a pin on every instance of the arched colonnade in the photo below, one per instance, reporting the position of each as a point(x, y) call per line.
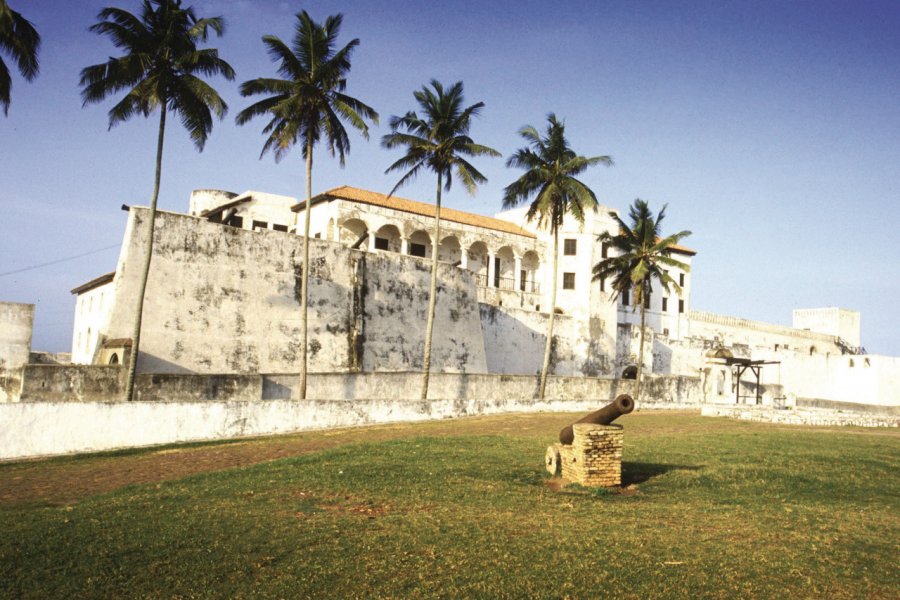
point(498, 265)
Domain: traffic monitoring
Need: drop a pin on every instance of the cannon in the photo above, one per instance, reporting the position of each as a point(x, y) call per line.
point(622, 405)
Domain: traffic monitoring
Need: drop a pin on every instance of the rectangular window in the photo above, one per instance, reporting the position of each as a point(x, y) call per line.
point(284, 228)
point(496, 271)
point(417, 249)
point(603, 285)
point(665, 304)
point(236, 222)
point(681, 306)
point(523, 279)
point(604, 250)
point(318, 236)
point(647, 300)
point(681, 279)
point(570, 247)
point(381, 243)
point(568, 281)
point(625, 297)
point(259, 225)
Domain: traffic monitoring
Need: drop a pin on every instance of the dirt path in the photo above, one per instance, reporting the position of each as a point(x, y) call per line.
point(62, 481)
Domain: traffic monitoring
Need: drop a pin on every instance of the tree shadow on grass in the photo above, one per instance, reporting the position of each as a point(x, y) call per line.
point(638, 472)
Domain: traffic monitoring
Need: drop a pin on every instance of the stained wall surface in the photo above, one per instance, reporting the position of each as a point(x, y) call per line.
point(16, 322)
point(226, 300)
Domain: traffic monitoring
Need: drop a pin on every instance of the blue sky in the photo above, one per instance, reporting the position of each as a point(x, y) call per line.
point(771, 129)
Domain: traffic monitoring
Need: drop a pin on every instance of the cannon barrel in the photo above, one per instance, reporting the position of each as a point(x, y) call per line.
point(622, 405)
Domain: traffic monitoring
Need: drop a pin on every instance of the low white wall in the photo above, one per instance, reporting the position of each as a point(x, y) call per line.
point(50, 428)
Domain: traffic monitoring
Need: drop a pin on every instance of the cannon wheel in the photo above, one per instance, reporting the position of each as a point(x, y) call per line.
point(552, 460)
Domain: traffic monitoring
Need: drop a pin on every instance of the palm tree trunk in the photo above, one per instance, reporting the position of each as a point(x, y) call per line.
point(432, 295)
point(546, 367)
point(640, 366)
point(304, 286)
point(148, 254)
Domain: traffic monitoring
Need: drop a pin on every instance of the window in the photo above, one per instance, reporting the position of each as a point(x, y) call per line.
point(666, 332)
point(681, 279)
point(647, 300)
point(602, 285)
point(284, 229)
point(568, 281)
point(417, 249)
point(570, 247)
point(496, 271)
point(259, 225)
point(665, 304)
point(604, 250)
point(624, 297)
point(236, 222)
point(681, 306)
point(523, 279)
point(381, 243)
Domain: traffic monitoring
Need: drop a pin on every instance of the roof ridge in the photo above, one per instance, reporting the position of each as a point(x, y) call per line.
point(355, 194)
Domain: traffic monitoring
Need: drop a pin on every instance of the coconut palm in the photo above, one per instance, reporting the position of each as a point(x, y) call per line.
point(159, 69)
point(551, 167)
point(306, 106)
point(21, 42)
point(641, 255)
point(437, 141)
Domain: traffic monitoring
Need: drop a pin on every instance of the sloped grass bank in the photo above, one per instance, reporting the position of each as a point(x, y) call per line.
point(713, 508)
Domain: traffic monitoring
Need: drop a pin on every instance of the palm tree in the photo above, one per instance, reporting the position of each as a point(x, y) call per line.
point(158, 70)
point(641, 255)
point(438, 141)
point(551, 167)
point(19, 39)
point(305, 106)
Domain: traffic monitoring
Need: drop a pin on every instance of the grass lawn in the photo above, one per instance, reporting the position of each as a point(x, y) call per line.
point(463, 509)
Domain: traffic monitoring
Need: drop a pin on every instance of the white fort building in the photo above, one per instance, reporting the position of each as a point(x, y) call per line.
point(223, 297)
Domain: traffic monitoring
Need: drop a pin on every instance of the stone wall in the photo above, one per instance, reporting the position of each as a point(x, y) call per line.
point(822, 418)
point(74, 411)
point(71, 409)
point(100, 383)
point(16, 324)
point(226, 300)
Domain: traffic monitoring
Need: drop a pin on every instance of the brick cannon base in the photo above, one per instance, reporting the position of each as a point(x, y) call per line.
point(593, 459)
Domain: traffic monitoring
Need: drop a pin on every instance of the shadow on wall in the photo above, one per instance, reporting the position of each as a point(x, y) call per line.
point(511, 347)
point(662, 358)
point(149, 363)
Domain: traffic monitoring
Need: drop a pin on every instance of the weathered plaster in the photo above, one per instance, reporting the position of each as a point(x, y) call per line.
point(226, 300)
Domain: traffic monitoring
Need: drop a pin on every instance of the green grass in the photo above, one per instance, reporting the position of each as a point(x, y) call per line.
point(719, 509)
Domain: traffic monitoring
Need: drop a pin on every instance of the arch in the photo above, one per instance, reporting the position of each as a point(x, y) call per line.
point(351, 232)
point(114, 359)
point(719, 353)
point(330, 232)
point(420, 244)
point(531, 263)
point(477, 256)
point(450, 250)
point(504, 268)
point(629, 372)
point(387, 238)
point(812, 350)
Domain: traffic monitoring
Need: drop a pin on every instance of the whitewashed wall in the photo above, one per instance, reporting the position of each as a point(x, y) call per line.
point(226, 300)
